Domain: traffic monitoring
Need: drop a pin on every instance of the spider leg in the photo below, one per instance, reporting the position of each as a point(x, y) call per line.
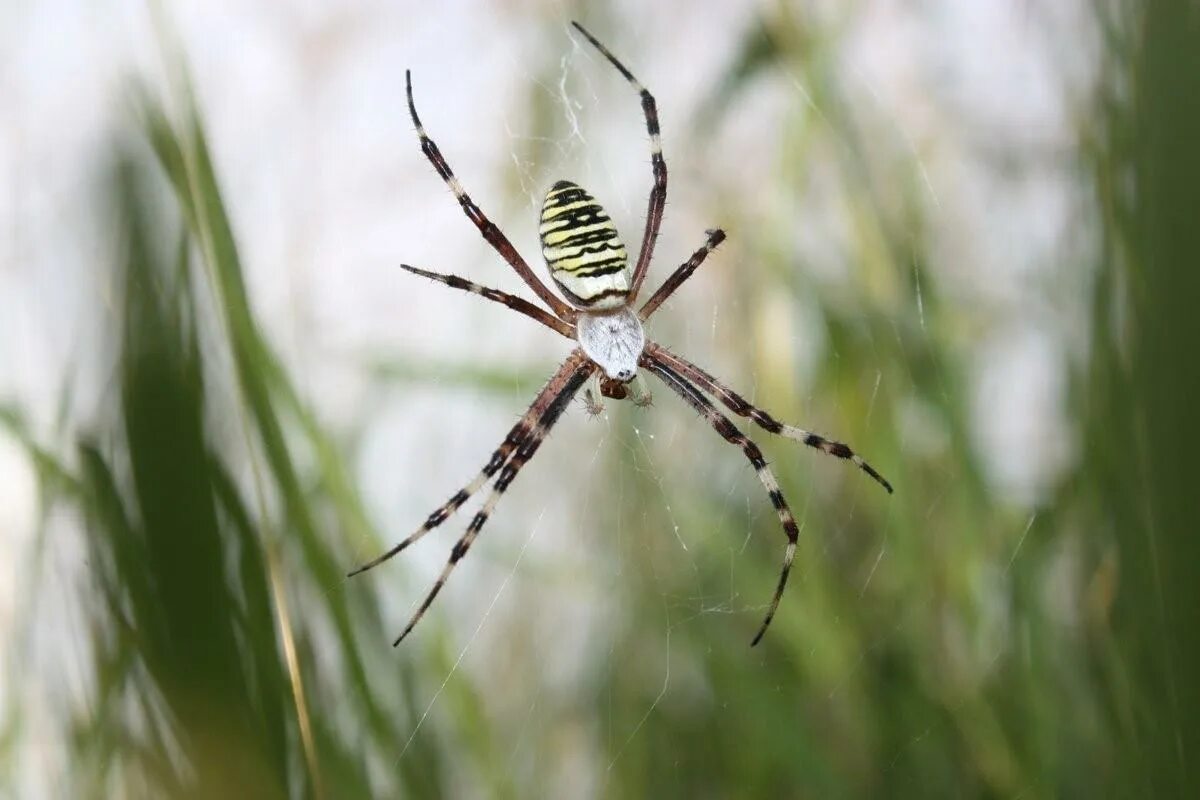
point(590, 404)
point(519, 459)
point(731, 434)
point(487, 228)
point(517, 436)
point(742, 407)
point(682, 273)
point(658, 192)
point(517, 304)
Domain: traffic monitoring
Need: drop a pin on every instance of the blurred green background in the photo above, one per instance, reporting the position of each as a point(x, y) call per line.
point(1018, 620)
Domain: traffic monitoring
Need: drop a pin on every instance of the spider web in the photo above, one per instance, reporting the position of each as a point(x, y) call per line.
point(600, 147)
point(598, 153)
point(598, 139)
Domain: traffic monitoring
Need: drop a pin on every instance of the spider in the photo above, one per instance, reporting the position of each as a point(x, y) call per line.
point(589, 264)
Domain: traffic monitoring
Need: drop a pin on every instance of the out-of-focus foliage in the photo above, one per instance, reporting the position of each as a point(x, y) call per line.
point(1137, 489)
point(935, 643)
point(222, 664)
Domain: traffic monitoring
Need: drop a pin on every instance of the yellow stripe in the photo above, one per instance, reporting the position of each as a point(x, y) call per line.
point(580, 262)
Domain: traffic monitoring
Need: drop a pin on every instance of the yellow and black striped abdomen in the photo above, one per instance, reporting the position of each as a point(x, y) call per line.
point(582, 248)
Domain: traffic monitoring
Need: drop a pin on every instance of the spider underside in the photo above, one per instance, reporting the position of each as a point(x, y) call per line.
point(588, 263)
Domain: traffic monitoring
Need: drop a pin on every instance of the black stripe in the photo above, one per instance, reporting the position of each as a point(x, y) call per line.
point(601, 268)
point(574, 195)
point(574, 221)
point(554, 262)
point(584, 215)
point(753, 453)
point(579, 217)
point(651, 112)
point(553, 210)
point(554, 203)
point(766, 421)
point(726, 429)
point(579, 239)
point(509, 472)
point(591, 301)
point(590, 250)
point(497, 460)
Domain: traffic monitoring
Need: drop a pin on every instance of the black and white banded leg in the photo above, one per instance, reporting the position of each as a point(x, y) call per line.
point(731, 434)
point(516, 437)
point(742, 407)
point(518, 304)
point(494, 236)
point(524, 452)
point(658, 192)
point(682, 273)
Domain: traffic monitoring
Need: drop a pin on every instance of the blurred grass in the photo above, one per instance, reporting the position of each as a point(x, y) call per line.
point(197, 662)
point(1139, 396)
point(936, 643)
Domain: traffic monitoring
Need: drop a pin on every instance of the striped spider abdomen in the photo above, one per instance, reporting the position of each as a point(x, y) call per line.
point(581, 246)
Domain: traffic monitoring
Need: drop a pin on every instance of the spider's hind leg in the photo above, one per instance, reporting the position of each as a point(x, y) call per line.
point(525, 427)
point(562, 397)
point(728, 431)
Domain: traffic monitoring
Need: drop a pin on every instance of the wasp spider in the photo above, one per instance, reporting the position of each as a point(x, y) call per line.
point(590, 266)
